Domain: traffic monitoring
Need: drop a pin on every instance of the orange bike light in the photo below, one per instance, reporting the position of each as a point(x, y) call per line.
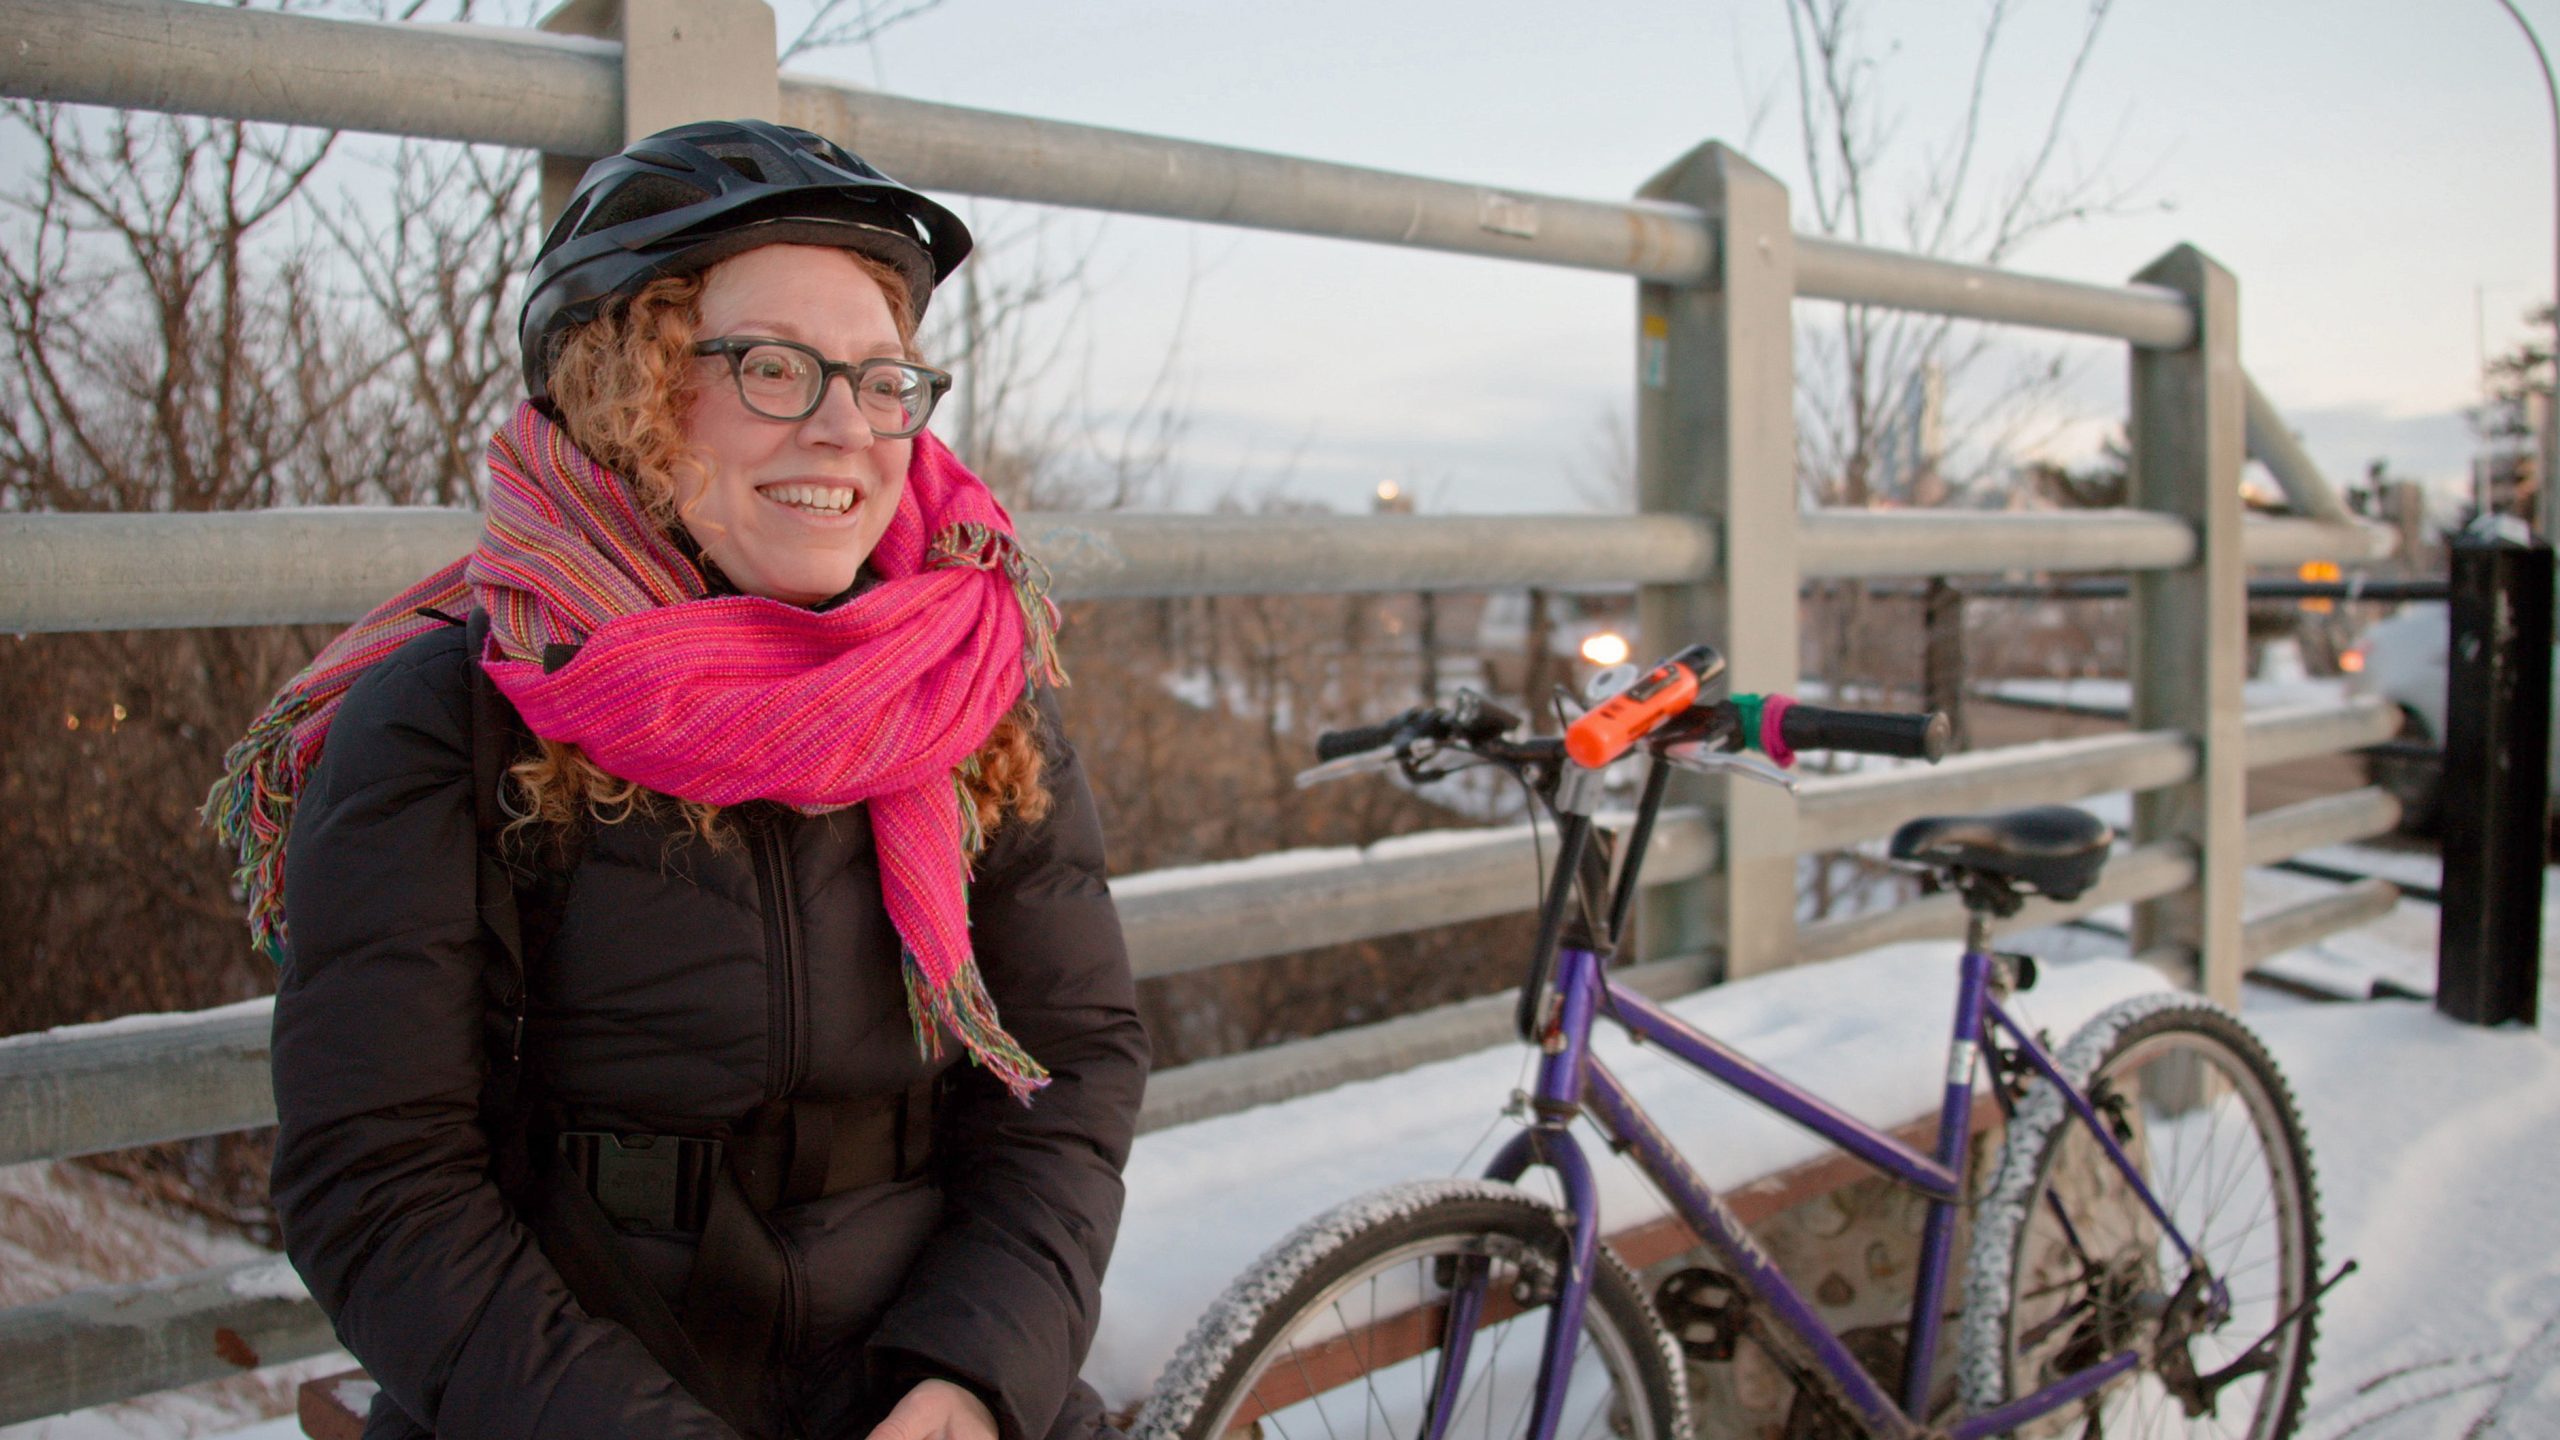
point(1628, 716)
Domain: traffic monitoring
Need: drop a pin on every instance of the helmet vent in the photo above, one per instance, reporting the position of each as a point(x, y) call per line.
point(567, 225)
point(639, 198)
point(747, 160)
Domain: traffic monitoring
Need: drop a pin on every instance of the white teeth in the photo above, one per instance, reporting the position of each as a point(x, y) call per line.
point(819, 499)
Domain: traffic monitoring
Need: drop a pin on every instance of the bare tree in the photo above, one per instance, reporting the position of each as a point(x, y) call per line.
point(438, 267)
point(170, 344)
point(1867, 378)
point(850, 25)
point(1947, 203)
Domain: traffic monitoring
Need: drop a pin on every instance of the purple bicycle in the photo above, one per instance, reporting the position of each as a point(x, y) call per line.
point(2143, 1261)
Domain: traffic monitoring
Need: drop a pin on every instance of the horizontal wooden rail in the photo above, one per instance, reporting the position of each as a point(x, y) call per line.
point(112, 1342)
point(82, 1089)
point(1200, 916)
point(2308, 921)
point(332, 563)
point(2279, 734)
point(1833, 811)
point(2351, 815)
point(501, 86)
point(266, 567)
point(2151, 316)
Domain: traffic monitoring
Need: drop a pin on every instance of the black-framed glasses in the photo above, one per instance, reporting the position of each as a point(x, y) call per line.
point(786, 380)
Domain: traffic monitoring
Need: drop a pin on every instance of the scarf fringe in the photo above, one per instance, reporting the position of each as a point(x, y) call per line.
point(973, 836)
point(973, 545)
point(251, 809)
point(962, 1006)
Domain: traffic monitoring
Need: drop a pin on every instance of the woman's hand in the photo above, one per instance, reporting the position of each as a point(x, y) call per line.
point(938, 1410)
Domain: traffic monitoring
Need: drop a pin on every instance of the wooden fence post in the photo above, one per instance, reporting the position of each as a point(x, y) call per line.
point(682, 60)
point(2189, 632)
point(1715, 436)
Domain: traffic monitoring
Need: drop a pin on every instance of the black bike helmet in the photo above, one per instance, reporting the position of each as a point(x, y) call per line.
point(683, 200)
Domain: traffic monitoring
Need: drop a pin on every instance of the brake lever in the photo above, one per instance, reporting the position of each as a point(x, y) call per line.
point(1345, 766)
point(1698, 757)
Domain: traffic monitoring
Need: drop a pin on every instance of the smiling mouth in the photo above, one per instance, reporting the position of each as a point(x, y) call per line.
point(814, 499)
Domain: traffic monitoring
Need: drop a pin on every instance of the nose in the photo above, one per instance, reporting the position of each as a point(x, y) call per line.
point(838, 421)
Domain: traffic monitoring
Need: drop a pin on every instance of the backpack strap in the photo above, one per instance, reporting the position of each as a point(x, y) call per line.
point(495, 732)
point(565, 1219)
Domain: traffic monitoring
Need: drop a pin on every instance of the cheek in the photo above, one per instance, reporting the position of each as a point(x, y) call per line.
point(892, 457)
point(719, 438)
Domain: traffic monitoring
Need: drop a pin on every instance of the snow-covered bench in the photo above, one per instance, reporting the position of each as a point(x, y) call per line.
point(1868, 1033)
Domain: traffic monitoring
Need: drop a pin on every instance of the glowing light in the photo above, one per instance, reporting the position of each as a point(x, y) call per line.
point(2351, 662)
point(1388, 490)
point(1605, 648)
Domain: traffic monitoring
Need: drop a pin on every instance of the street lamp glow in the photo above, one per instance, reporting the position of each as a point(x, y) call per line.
point(1605, 649)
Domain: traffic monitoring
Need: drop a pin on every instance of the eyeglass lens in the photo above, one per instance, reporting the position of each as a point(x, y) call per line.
point(782, 383)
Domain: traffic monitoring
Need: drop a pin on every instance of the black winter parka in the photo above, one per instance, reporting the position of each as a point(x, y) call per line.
point(685, 985)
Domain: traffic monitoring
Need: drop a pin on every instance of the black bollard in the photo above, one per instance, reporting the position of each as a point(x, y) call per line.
point(2497, 783)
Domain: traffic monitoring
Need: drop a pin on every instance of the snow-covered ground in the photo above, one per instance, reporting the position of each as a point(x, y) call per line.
point(2437, 1148)
point(2438, 1153)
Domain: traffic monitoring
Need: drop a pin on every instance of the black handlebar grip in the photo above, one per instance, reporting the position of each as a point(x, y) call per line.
point(1334, 744)
point(1912, 736)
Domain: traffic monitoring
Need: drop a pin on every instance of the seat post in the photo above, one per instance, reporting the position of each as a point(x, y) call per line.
point(1977, 930)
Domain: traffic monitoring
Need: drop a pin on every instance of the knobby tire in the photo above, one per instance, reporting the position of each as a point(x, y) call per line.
point(1350, 1307)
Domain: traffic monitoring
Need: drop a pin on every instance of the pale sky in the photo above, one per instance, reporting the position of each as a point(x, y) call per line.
point(2377, 174)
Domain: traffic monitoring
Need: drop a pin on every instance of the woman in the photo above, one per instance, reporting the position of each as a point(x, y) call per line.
point(784, 810)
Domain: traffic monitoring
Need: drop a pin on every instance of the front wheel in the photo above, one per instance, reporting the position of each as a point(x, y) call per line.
point(1344, 1329)
point(2069, 1267)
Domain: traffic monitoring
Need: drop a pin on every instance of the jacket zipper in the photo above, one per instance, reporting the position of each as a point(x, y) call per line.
point(782, 948)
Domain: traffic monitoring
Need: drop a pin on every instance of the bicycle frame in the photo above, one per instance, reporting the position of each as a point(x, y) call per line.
point(1569, 991)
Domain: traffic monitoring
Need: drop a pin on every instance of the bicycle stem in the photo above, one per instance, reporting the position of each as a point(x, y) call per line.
point(1577, 795)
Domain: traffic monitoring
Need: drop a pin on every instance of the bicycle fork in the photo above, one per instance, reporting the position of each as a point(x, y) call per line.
point(1546, 1142)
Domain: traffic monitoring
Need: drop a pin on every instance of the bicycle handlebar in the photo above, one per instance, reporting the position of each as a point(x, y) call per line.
point(1910, 736)
point(1473, 721)
point(1334, 744)
point(1660, 709)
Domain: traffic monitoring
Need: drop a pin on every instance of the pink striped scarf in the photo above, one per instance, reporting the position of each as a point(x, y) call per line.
point(720, 699)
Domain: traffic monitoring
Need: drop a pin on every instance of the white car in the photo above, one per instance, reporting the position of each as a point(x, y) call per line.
point(2405, 659)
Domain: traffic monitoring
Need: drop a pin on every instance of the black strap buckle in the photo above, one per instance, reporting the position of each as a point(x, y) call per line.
point(644, 1182)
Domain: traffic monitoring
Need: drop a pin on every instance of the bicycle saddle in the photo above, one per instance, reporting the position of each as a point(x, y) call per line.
point(2053, 849)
